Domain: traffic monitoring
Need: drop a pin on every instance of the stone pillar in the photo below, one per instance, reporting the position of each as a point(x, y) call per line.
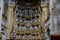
point(1, 11)
point(10, 20)
point(45, 15)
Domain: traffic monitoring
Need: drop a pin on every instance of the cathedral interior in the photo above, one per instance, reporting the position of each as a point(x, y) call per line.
point(29, 20)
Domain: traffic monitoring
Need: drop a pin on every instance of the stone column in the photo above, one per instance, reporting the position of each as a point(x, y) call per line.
point(10, 20)
point(1, 11)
